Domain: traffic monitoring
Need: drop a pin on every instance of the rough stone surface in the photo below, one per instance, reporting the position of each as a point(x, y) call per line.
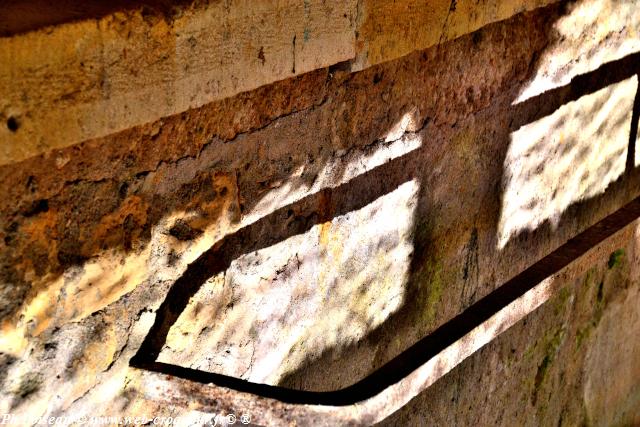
point(112, 66)
point(389, 30)
point(135, 66)
point(556, 366)
point(431, 155)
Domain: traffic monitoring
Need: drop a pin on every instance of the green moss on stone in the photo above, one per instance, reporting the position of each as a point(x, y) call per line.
point(553, 340)
point(584, 333)
point(590, 276)
point(615, 259)
point(561, 300)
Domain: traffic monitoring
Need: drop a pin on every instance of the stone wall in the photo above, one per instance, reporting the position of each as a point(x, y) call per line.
point(368, 170)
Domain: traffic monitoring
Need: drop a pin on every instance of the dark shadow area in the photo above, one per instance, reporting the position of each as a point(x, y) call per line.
point(633, 133)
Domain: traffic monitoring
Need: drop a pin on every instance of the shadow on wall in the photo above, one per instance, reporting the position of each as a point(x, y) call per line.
point(318, 253)
point(563, 148)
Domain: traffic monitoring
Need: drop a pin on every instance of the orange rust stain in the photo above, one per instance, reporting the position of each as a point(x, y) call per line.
point(42, 226)
point(108, 233)
point(41, 237)
point(41, 232)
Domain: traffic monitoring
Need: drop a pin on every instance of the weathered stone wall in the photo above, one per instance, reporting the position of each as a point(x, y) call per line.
point(150, 59)
point(379, 198)
point(572, 362)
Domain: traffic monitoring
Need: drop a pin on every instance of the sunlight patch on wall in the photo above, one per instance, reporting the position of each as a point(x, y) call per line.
point(581, 33)
point(277, 308)
point(568, 156)
point(399, 140)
